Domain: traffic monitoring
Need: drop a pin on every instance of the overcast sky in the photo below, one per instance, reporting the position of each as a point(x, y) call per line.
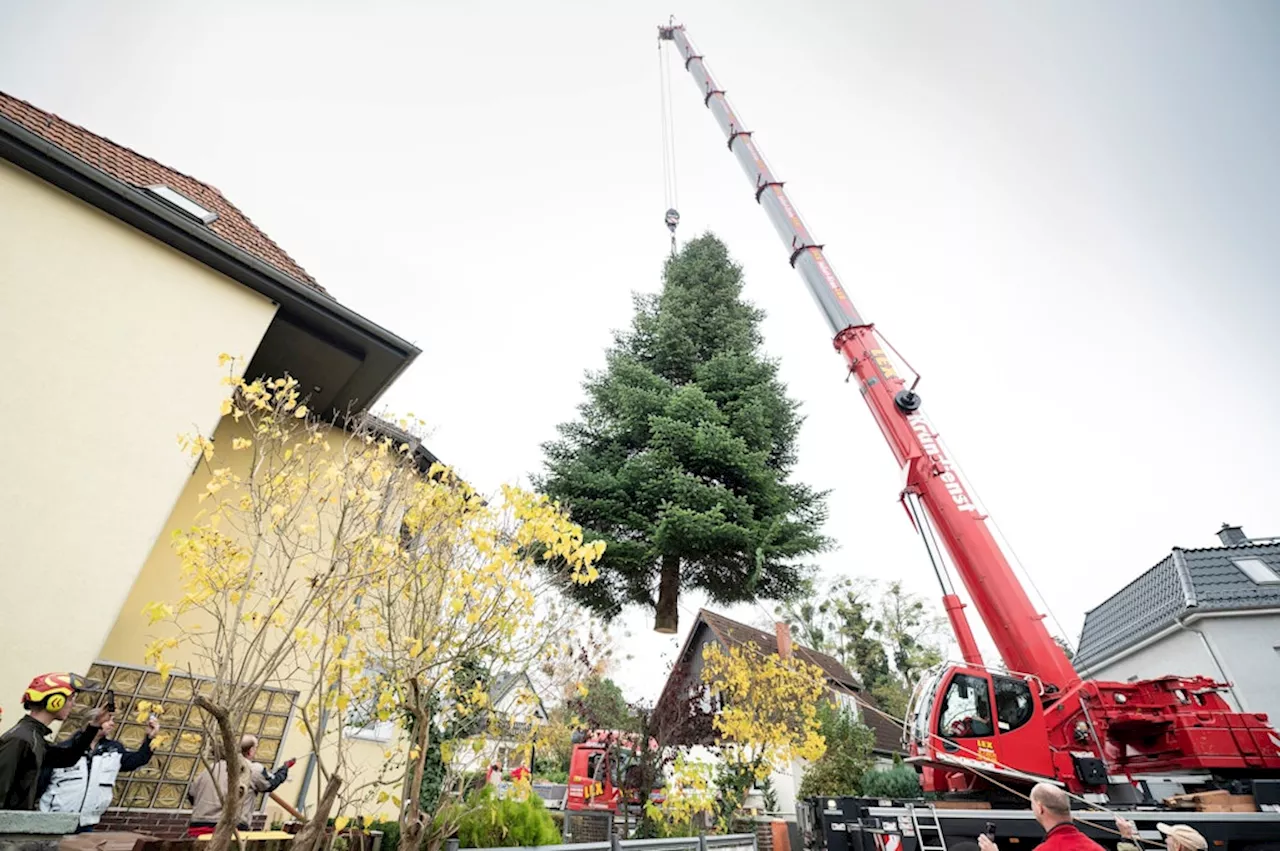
point(1065, 215)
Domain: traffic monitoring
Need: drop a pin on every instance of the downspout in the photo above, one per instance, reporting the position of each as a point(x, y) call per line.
point(311, 764)
point(1183, 622)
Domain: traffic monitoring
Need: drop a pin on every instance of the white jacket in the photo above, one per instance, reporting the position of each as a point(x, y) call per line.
point(86, 787)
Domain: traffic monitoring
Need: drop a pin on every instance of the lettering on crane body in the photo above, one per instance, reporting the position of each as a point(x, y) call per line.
point(882, 361)
point(934, 452)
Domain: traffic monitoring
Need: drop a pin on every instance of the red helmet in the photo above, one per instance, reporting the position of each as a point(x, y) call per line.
point(53, 690)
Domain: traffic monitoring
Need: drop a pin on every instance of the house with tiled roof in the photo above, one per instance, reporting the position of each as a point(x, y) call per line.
point(122, 280)
point(843, 687)
point(1213, 611)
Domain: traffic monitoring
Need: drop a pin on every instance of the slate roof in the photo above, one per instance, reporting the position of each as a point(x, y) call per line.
point(1185, 581)
point(130, 167)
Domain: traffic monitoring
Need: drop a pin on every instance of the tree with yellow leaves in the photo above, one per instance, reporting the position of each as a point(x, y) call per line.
point(324, 554)
point(768, 706)
point(766, 716)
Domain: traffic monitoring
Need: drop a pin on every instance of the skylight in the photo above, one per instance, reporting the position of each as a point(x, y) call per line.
point(1257, 570)
point(183, 203)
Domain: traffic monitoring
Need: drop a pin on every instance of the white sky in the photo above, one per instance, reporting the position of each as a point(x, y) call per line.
point(1064, 214)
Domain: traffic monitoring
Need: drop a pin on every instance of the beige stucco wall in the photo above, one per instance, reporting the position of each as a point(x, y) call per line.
point(111, 342)
point(160, 580)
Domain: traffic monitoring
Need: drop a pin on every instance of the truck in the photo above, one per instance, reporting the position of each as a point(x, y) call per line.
point(985, 733)
point(600, 760)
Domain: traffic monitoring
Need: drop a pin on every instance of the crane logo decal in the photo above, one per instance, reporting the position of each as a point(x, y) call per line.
point(929, 443)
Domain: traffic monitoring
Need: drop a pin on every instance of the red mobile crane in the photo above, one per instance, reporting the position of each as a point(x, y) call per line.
point(1091, 737)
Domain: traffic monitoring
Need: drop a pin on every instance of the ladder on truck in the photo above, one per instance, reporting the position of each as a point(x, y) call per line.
point(928, 830)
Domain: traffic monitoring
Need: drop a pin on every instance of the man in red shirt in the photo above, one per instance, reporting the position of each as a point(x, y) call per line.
point(1052, 809)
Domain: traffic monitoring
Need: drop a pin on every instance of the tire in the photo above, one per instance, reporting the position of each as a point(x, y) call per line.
point(962, 845)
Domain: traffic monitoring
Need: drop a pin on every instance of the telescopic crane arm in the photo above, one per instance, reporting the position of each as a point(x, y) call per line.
point(933, 483)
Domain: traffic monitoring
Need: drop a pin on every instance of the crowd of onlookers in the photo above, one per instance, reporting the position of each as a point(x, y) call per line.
point(78, 775)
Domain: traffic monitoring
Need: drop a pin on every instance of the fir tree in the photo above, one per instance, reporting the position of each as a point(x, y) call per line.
point(681, 455)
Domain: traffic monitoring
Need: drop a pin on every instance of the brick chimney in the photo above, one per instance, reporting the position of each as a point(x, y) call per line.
point(1232, 536)
point(784, 639)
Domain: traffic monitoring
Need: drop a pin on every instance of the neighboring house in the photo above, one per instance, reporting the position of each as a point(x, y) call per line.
point(843, 686)
point(1212, 611)
point(516, 708)
point(121, 281)
point(506, 730)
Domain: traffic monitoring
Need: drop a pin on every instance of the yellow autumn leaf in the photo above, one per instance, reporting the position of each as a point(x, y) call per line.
point(301, 412)
point(226, 407)
point(339, 823)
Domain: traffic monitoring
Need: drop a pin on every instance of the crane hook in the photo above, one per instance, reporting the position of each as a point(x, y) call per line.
point(672, 218)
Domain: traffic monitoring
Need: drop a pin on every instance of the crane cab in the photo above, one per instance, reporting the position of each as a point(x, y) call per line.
point(966, 721)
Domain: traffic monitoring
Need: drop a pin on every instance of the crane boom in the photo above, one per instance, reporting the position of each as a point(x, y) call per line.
point(1015, 626)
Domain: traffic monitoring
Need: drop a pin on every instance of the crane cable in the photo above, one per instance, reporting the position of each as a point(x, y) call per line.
point(670, 186)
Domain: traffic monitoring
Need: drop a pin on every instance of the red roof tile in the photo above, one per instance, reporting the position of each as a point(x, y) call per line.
point(133, 168)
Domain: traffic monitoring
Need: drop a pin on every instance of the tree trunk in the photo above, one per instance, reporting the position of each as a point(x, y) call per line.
point(311, 837)
point(667, 620)
point(236, 774)
point(412, 819)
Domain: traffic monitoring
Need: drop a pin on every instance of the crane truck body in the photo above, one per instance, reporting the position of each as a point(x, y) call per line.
point(977, 730)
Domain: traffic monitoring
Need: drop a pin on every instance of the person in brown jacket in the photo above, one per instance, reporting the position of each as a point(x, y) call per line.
point(210, 785)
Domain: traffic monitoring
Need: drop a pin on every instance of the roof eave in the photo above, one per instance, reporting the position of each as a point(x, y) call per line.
point(301, 302)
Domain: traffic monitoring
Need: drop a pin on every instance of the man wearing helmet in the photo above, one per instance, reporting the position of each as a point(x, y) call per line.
point(25, 749)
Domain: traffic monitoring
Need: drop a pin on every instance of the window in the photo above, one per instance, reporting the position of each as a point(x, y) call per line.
point(1014, 704)
point(362, 722)
point(966, 708)
point(846, 702)
point(174, 198)
point(1257, 570)
point(162, 783)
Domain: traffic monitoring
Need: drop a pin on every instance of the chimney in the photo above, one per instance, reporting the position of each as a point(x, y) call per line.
point(784, 639)
point(1232, 536)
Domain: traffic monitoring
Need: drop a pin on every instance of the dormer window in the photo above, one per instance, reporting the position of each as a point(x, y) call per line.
point(174, 198)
